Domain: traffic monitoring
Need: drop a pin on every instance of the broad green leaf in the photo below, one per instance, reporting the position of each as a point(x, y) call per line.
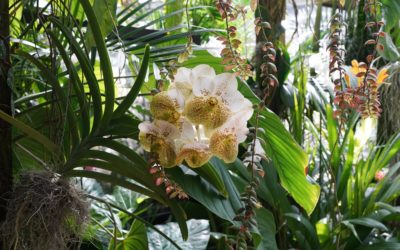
point(289, 158)
point(308, 230)
point(177, 20)
point(207, 195)
point(136, 238)
point(211, 175)
point(204, 57)
point(387, 49)
point(266, 226)
point(199, 235)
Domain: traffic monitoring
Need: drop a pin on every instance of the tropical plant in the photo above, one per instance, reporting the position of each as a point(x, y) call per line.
point(303, 179)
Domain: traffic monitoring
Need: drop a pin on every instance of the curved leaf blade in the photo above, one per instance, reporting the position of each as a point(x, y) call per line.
point(289, 158)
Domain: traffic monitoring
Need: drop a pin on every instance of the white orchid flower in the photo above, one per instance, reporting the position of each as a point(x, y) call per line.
point(224, 142)
point(214, 100)
point(201, 115)
point(159, 137)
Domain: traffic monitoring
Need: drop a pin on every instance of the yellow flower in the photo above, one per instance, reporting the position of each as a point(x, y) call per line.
point(357, 68)
point(382, 76)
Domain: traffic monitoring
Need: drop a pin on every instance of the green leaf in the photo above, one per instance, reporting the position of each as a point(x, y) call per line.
point(266, 226)
point(63, 100)
point(213, 177)
point(135, 239)
point(368, 222)
point(381, 245)
point(104, 62)
point(289, 158)
point(204, 193)
point(344, 176)
point(29, 131)
point(199, 235)
point(105, 11)
point(124, 126)
point(204, 57)
point(113, 180)
point(87, 70)
point(389, 50)
point(76, 83)
point(308, 230)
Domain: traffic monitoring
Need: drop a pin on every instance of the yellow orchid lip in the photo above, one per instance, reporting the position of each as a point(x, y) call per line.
point(208, 111)
point(225, 146)
point(163, 107)
point(195, 155)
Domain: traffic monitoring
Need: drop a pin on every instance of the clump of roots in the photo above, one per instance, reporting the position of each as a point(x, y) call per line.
point(45, 212)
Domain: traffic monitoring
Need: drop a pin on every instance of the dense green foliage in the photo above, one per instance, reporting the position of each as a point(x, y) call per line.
point(318, 187)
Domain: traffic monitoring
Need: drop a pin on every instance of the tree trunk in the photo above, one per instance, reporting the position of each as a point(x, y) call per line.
point(317, 27)
point(5, 106)
point(389, 121)
point(272, 11)
point(356, 38)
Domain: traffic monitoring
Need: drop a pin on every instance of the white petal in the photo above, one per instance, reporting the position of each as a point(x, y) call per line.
point(184, 87)
point(203, 86)
point(187, 131)
point(167, 129)
point(241, 134)
point(225, 84)
point(203, 69)
point(148, 128)
point(183, 75)
point(235, 101)
point(237, 124)
point(177, 96)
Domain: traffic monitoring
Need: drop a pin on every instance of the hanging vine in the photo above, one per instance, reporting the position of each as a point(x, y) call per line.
point(231, 57)
point(246, 215)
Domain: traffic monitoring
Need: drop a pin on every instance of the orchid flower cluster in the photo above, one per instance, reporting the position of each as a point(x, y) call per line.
point(202, 114)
